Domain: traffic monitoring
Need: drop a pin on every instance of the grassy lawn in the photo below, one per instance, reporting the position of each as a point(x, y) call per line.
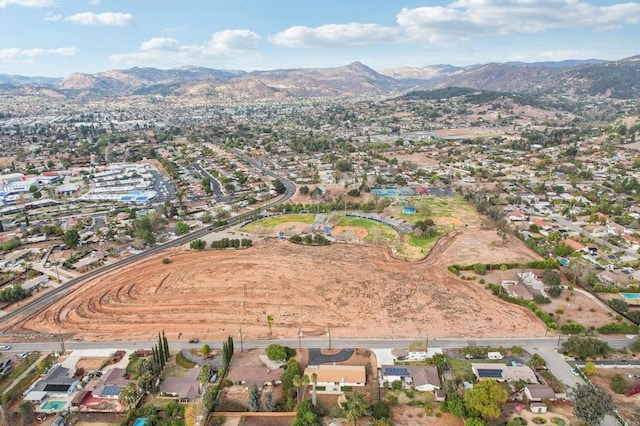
point(374, 229)
point(17, 370)
point(437, 207)
point(271, 222)
point(174, 370)
point(460, 367)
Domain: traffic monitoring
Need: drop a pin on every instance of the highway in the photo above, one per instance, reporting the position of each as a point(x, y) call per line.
point(68, 287)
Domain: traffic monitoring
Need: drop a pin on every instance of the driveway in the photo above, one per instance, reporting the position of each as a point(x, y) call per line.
point(215, 362)
point(317, 358)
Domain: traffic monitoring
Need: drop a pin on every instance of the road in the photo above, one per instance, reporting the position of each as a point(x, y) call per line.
point(535, 343)
point(215, 185)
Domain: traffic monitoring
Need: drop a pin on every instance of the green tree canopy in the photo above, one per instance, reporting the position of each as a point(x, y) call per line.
point(71, 238)
point(486, 397)
point(591, 404)
point(276, 352)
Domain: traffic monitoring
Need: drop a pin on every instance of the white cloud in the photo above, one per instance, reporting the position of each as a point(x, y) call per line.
point(160, 43)
point(108, 18)
point(15, 53)
point(52, 17)
point(27, 3)
point(224, 48)
point(464, 19)
point(336, 35)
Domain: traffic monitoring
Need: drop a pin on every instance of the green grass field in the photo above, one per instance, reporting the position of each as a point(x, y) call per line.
point(374, 229)
point(271, 222)
point(432, 207)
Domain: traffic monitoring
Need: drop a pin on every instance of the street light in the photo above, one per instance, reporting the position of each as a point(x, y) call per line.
point(299, 340)
point(329, 334)
point(241, 343)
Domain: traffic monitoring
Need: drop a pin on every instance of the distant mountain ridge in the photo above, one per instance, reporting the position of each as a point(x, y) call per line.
point(594, 77)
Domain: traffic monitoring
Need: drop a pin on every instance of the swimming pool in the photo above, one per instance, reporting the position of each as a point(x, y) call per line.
point(631, 295)
point(140, 421)
point(53, 405)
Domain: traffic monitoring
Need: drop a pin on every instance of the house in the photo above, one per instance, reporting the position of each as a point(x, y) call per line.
point(110, 384)
point(503, 373)
point(574, 245)
point(537, 393)
point(185, 389)
point(59, 381)
point(518, 216)
point(334, 377)
point(423, 378)
point(260, 376)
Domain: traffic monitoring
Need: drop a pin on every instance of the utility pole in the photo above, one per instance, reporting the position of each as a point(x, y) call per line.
point(61, 341)
point(329, 334)
point(299, 340)
point(241, 342)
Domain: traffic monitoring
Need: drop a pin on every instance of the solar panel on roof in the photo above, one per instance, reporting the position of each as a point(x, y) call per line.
point(397, 371)
point(56, 388)
point(110, 390)
point(490, 373)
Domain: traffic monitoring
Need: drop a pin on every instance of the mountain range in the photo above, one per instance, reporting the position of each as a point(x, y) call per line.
point(593, 77)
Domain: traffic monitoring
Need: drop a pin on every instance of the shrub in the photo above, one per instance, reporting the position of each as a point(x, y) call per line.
point(166, 260)
point(276, 352)
point(573, 328)
point(619, 384)
point(618, 328)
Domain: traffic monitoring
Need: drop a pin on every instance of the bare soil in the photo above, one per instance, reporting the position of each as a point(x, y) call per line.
point(357, 290)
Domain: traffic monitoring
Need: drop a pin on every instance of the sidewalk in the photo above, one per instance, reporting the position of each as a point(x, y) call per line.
point(25, 372)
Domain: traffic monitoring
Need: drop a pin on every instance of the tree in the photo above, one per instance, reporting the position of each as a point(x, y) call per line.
point(291, 370)
point(227, 352)
point(279, 187)
point(26, 412)
point(486, 397)
point(551, 278)
point(305, 415)
point(300, 382)
point(619, 305)
point(590, 369)
point(205, 374)
point(198, 244)
point(270, 323)
point(128, 394)
point(591, 404)
point(619, 384)
point(440, 361)
point(586, 347)
point(355, 408)
point(268, 402)
point(473, 421)
point(503, 230)
point(253, 400)
point(206, 349)
point(276, 352)
point(71, 238)
point(182, 228)
point(380, 410)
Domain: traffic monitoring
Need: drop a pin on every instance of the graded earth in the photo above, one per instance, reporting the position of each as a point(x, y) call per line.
point(357, 290)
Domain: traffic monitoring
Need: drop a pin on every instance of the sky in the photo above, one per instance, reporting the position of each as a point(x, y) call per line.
point(55, 38)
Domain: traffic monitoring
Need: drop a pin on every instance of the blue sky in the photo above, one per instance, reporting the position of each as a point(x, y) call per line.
point(58, 37)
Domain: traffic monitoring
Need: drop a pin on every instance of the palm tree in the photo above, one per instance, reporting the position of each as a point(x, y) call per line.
point(270, 323)
point(300, 382)
point(128, 395)
point(356, 408)
point(314, 394)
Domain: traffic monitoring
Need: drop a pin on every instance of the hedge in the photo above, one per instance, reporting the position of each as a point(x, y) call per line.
point(572, 328)
point(618, 328)
point(536, 264)
point(544, 316)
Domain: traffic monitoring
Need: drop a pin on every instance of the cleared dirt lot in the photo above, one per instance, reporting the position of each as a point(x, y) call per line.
point(359, 291)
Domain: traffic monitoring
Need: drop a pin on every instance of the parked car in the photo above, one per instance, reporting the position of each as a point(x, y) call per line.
point(575, 372)
point(24, 355)
point(194, 340)
point(5, 347)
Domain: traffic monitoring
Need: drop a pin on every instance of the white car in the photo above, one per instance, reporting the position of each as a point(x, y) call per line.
point(5, 347)
point(24, 355)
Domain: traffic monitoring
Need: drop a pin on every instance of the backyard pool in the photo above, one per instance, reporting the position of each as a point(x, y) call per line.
point(140, 421)
point(634, 296)
point(53, 405)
